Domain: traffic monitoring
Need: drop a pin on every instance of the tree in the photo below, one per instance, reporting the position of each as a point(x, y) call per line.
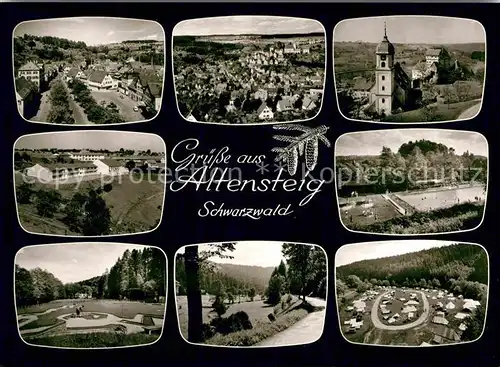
point(275, 289)
point(192, 261)
point(48, 202)
point(474, 324)
point(24, 193)
point(299, 266)
point(251, 293)
point(130, 165)
point(341, 287)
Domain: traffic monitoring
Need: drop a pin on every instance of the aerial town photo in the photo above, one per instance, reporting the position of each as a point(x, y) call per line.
point(88, 70)
point(90, 295)
point(412, 292)
point(227, 296)
point(249, 69)
point(89, 183)
point(404, 69)
point(411, 181)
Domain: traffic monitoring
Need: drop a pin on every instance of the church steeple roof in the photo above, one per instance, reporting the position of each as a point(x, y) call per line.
point(385, 47)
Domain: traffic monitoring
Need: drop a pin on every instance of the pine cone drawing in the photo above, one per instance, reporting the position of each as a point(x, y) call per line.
point(306, 144)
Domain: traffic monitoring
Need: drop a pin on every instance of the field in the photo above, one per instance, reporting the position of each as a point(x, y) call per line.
point(135, 205)
point(443, 198)
point(413, 335)
point(383, 210)
point(446, 210)
point(103, 323)
point(256, 310)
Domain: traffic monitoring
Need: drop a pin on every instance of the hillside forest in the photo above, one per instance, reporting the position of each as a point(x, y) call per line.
point(417, 164)
point(137, 275)
point(57, 49)
point(458, 268)
point(303, 273)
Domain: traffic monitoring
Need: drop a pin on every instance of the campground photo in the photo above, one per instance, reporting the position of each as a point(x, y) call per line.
point(89, 183)
point(227, 296)
point(90, 295)
point(412, 292)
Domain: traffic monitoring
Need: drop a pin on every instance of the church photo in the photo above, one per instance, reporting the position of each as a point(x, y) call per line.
point(409, 69)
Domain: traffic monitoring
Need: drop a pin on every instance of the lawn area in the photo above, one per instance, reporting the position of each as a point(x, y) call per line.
point(397, 304)
point(443, 112)
point(93, 340)
point(125, 309)
point(382, 209)
point(256, 310)
point(135, 205)
point(286, 313)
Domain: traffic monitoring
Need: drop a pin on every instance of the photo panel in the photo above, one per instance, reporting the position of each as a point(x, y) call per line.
point(411, 181)
point(412, 293)
point(226, 296)
point(89, 183)
point(409, 68)
point(90, 295)
point(89, 70)
point(249, 70)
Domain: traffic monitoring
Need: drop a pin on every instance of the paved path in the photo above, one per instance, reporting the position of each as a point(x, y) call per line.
point(471, 111)
point(78, 112)
point(305, 331)
point(42, 114)
point(379, 325)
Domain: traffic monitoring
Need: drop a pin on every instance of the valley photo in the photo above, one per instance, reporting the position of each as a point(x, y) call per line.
point(89, 70)
point(251, 293)
point(249, 69)
point(90, 295)
point(404, 69)
point(412, 292)
point(89, 183)
point(411, 181)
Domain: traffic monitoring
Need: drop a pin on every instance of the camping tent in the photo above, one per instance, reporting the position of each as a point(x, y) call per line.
point(450, 306)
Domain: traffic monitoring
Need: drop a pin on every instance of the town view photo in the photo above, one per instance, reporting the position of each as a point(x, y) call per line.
point(412, 292)
point(404, 69)
point(89, 183)
point(251, 293)
point(90, 295)
point(249, 69)
point(411, 181)
point(89, 70)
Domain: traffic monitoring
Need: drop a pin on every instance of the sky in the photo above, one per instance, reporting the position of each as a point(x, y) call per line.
point(73, 262)
point(410, 29)
point(246, 25)
point(371, 142)
point(111, 140)
point(252, 253)
point(93, 31)
point(374, 250)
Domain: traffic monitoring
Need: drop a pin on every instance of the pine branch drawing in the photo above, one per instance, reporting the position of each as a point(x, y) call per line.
point(306, 144)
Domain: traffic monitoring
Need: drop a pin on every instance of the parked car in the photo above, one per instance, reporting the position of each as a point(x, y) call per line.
point(136, 108)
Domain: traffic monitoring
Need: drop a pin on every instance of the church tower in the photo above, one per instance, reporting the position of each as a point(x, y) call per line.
point(385, 83)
